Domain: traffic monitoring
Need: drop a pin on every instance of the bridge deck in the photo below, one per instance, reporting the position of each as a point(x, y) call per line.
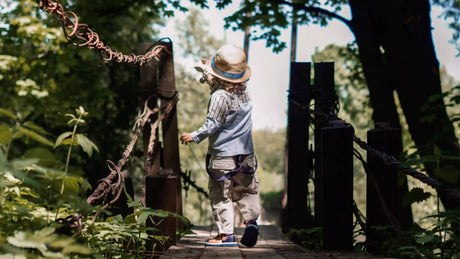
point(272, 244)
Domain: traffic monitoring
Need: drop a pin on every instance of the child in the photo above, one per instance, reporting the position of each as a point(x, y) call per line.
point(231, 163)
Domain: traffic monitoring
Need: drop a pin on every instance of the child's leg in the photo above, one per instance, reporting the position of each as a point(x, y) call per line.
point(220, 194)
point(245, 193)
point(246, 187)
point(222, 205)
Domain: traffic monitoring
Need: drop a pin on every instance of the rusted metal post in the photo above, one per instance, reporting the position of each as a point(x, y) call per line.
point(162, 181)
point(167, 91)
point(336, 195)
point(296, 213)
point(391, 185)
point(159, 187)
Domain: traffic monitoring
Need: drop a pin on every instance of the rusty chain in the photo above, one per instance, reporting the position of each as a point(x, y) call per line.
point(115, 179)
point(112, 185)
point(79, 34)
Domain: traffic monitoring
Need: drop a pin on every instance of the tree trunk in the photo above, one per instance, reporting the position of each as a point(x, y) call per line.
point(397, 52)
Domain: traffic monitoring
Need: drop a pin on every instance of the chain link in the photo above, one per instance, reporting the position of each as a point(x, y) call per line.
point(79, 34)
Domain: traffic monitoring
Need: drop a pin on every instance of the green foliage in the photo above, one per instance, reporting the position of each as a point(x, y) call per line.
point(42, 72)
point(309, 238)
point(18, 127)
point(427, 238)
point(36, 201)
point(268, 18)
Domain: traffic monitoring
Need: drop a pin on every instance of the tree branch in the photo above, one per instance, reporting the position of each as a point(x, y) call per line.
point(312, 9)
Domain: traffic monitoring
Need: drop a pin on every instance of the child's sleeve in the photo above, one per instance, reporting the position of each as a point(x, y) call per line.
point(219, 107)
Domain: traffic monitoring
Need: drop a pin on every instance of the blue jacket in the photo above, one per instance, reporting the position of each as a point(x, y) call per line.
point(228, 124)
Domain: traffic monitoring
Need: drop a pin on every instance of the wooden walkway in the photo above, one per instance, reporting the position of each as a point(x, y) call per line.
point(272, 244)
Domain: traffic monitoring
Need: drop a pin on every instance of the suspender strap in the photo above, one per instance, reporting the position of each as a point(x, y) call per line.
point(239, 168)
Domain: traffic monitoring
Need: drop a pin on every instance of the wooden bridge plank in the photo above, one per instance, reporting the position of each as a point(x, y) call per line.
point(272, 244)
point(263, 248)
point(220, 252)
point(189, 246)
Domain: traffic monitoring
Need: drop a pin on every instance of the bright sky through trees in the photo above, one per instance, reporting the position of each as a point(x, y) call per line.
point(270, 79)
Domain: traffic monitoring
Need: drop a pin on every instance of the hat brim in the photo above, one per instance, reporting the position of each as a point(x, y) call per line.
point(205, 65)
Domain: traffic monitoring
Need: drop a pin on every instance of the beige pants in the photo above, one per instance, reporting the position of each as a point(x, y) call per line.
point(241, 188)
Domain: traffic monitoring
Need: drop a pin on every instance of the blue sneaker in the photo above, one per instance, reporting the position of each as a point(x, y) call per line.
point(251, 233)
point(222, 240)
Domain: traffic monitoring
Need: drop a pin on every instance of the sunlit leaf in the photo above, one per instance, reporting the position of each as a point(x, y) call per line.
point(61, 138)
point(77, 249)
point(35, 136)
point(25, 240)
point(8, 113)
point(5, 134)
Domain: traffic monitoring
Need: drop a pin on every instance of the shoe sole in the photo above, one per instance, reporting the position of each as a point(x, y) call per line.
point(221, 244)
point(250, 235)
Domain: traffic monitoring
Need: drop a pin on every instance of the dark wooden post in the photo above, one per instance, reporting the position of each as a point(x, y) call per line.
point(162, 170)
point(324, 100)
point(167, 91)
point(337, 187)
point(296, 213)
point(392, 187)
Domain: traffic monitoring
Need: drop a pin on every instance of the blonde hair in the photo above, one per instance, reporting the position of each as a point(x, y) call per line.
point(217, 83)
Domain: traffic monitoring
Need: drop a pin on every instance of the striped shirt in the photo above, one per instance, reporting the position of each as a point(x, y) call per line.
point(228, 124)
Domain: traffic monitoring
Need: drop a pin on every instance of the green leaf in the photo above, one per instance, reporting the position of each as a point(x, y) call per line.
point(61, 138)
point(44, 232)
point(134, 204)
point(44, 156)
point(69, 141)
point(5, 134)
point(424, 239)
point(77, 249)
point(8, 113)
point(35, 136)
point(144, 216)
point(86, 144)
point(25, 240)
point(72, 183)
point(35, 127)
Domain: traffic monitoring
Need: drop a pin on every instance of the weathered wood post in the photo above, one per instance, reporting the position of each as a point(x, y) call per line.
point(162, 167)
point(324, 93)
point(296, 213)
point(337, 187)
point(333, 164)
point(391, 185)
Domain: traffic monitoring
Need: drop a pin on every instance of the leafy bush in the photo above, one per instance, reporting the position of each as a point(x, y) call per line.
point(43, 208)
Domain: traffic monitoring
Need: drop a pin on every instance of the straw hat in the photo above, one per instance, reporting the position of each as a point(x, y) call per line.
point(229, 64)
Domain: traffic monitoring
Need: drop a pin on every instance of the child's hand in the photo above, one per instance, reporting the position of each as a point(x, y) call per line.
point(186, 138)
